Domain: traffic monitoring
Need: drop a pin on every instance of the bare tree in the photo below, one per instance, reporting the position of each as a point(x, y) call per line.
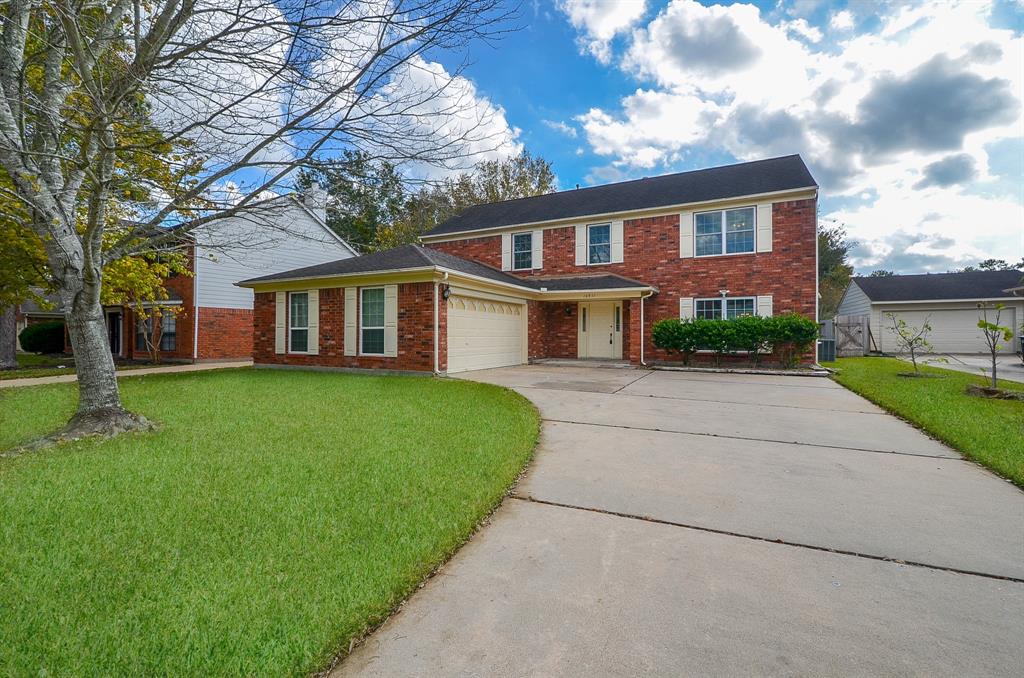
point(108, 103)
point(994, 334)
point(910, 339)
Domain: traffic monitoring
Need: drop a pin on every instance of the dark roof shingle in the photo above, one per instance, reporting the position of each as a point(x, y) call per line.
point(417, 256)
point(716, 183)
point(969, 285)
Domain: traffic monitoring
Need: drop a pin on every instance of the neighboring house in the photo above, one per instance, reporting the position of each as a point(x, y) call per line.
point(215, 322)
point(948, 301)
point(577, 274)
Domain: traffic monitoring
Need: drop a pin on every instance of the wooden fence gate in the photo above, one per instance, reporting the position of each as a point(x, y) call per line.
point(853, 335)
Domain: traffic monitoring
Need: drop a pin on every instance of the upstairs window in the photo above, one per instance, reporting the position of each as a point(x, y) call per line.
point(298, 322)
point(724, 232)
point(522, 251)
point(599, 244)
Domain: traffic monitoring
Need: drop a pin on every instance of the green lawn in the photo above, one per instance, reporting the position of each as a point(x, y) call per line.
point(991, 432)
point(272, 518)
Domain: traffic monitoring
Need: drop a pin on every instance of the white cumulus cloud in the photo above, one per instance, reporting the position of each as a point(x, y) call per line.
point(599, 21)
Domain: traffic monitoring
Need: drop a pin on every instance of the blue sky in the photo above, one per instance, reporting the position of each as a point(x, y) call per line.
point(908, 114)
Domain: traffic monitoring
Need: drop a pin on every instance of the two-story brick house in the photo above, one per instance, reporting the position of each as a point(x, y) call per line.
point(576, 274)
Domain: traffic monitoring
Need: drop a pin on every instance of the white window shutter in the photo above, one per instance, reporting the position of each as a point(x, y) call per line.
point(685, 308)
point(616, 230)
point(350, 320)
point(581, 245)
point(764, 227)
point(391, 320)
point(685, 235)
point(280, 321)
point(506, 251)
point(538, 248)
point(764, 305)
point(313, 307)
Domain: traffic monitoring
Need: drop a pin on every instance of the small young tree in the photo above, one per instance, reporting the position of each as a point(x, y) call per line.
point(910, 339)
point(993, 333)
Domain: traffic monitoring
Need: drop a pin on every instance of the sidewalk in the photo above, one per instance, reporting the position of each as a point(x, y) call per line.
point(1009, 366)
point(164, 369)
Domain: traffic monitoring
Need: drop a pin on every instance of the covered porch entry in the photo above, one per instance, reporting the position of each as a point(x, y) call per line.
point(588, 318)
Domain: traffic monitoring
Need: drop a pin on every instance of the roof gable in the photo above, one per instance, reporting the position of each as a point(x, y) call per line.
point(716, 183)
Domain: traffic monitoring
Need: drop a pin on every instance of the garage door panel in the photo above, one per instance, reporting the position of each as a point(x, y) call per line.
point(953, 330)
point(484, 334)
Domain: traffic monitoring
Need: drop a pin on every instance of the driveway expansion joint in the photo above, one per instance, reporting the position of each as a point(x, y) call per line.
point(768, 540)
point(762, 440)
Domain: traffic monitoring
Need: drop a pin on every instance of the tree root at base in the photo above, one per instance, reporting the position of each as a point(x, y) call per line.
point(105, 422)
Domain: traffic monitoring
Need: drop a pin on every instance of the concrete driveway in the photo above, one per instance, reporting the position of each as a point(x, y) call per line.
point(712, 524)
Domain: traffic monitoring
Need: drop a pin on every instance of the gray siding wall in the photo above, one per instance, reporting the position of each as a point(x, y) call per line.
point(854, 302)
point(274, 238)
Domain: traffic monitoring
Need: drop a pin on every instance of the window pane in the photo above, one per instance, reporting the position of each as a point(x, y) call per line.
point(298, 341)
point(709, 222)
point(299, 316)
point(373, 308)
point(739, 227)
point(600, 254)
point(522, 242)
point(709, 244)
point(708, 309)
point(522, 250)
point(600, 235)
point(373, 341)
point(168, 333)
point(734, 308)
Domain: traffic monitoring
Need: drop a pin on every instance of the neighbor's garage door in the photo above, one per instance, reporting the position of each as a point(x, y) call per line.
point(484, 333)
point(953, 331)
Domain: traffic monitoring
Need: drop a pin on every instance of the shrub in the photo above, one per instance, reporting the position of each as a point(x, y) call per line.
point(789, 336)
point(45, 337)
point(749, 334)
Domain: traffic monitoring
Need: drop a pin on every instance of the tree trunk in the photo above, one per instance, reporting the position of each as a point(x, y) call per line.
point(99, 401)
point(995, 381)
point(8, 339)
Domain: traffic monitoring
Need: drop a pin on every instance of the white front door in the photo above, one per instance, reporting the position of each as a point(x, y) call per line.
point(600, 330)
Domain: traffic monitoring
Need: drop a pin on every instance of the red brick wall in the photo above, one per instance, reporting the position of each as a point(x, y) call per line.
point(224, 333)
point(415, 332)
point(651, 255)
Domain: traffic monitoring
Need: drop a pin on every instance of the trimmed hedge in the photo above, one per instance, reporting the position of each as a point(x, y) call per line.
point(45, 337)
point(788, 336)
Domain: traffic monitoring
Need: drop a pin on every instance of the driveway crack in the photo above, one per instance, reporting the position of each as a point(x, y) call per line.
point(782, 542)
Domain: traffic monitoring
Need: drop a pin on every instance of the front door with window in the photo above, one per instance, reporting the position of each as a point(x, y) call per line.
point(600, 330)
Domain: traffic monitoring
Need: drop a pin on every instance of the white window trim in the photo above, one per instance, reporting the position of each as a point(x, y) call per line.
point(359, 322)
point(529, 250)
point(723, 300)
point(723, 253)
point(290, 326)
point(600, 263)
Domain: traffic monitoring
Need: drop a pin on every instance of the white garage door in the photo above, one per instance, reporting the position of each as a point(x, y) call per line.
point(484, 333)
point(953, 331)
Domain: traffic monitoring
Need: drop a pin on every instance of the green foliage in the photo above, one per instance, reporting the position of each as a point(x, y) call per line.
point(239, 540)
point(881, 273)
point(47, 337)
point(788, 336)
point(834, 270)
point(374, 208)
